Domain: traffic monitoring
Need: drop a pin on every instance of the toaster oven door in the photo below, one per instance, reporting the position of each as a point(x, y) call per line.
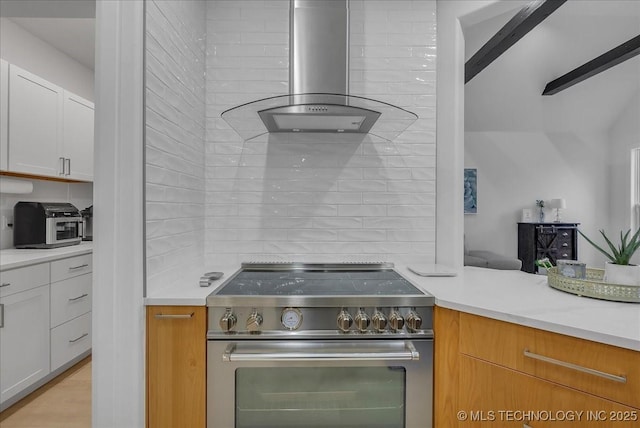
point(64, 230)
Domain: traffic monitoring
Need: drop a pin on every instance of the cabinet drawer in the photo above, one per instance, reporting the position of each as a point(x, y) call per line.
point(70, 340)
point(495, 397)
point(22, 279)
point(70, 298)
point(73, 266)
point(505, 344)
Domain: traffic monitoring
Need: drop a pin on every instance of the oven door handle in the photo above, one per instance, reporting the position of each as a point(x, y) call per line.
point(317, 353)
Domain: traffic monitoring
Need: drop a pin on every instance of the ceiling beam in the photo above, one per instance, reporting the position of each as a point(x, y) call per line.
point(524, 21)
point(615, 56)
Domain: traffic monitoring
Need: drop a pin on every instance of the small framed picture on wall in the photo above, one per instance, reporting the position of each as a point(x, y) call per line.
point(470, 191)
point(527, 215)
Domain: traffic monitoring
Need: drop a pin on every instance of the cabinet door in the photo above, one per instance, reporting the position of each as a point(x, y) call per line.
point(78, 137)
point(176, 366)
point(24, 340)
point(35, 124)
point(4, 114)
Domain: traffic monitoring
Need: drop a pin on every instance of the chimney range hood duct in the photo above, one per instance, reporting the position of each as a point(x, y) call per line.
point(318, 83)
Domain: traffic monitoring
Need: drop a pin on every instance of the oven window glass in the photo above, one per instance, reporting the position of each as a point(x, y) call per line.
point(314, 397)
point(67, 230)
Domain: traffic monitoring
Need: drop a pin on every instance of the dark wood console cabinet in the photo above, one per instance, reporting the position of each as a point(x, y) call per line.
point(552, 240)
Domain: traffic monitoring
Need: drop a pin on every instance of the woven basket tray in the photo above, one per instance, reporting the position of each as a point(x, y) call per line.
point(594, 286)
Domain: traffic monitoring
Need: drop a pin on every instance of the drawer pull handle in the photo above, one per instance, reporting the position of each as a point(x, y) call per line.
point(621, 379)
point(5, 284)
point(82, 336)
point(78, 267)
point(526, 426)
point(73, 299)
point(178, 316)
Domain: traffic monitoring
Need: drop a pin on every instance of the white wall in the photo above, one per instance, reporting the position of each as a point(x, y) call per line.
point(516, 168)
point(175, 127)
point(79, 194)
point(35, 55)
point(624, 135)
point(322, 197)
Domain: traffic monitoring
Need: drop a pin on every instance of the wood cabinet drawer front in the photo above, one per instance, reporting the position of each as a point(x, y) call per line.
point(518, 400)
point(73, 266)
point(70, 340)
point(505, 344)
point(579, 353)
point(22, 279)
point(70, 298)
point(495, 341)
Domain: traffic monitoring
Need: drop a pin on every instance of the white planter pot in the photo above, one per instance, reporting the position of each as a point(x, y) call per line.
point(622, 274)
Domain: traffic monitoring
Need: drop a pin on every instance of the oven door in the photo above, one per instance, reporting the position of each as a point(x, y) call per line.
point(313, 384)
point(62, 230)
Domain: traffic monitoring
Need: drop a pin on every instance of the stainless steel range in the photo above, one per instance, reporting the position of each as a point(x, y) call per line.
point(319, 345)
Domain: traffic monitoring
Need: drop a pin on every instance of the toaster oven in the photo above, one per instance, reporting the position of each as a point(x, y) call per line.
point(46, 225)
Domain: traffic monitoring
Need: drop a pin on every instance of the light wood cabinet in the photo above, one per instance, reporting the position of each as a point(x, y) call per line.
point(50, 130)
point(482, 370)
point(176, 366)
point(4, 114)
point(496, 396)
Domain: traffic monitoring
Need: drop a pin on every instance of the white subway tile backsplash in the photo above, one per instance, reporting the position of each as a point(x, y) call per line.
point(302, 197)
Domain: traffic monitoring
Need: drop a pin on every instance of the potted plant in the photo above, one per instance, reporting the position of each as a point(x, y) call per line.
point(618, 270)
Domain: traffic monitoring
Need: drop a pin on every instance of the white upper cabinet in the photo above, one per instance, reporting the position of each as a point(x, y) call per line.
point(78, 137)
point(35, 124)
point(4, 114)
point(50, 129)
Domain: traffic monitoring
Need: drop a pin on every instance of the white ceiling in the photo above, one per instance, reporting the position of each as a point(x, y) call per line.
point(506, 96)
point(68, 25)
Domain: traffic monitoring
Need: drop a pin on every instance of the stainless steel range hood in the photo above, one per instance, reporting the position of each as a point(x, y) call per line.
point(319, 99)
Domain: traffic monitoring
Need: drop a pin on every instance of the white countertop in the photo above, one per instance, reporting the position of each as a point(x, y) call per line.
point(13, 258)
point(511, 296)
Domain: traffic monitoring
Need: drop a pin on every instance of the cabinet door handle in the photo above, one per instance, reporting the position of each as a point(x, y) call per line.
point(78, 267)
point(1, 315)
point(621, 379)
point(68, 166)
point(5, 284)
point(73, 299)
point(61, 166)
point(526, 426)
point(177, 316)
point(565, 234)
point(83, 335)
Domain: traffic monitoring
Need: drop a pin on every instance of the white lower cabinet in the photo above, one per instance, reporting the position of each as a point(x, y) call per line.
point(45, 323)
point(70, 340)
point(24, 340)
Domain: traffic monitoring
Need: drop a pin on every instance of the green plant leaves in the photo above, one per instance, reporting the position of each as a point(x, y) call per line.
point(621, 254)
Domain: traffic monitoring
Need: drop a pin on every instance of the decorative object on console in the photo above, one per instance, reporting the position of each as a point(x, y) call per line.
point(555, 241)
point(470, 191)
point(540, 204)
point(558, 204)
point(618, 270)
point(527, 215)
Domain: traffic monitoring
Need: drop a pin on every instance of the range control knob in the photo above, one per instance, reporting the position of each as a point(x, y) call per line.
point(362, 320)
point(228, 321)
point(396, 321)
point(414, 321)
point(344, 320)
point(254, 322)
point(379, 321)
